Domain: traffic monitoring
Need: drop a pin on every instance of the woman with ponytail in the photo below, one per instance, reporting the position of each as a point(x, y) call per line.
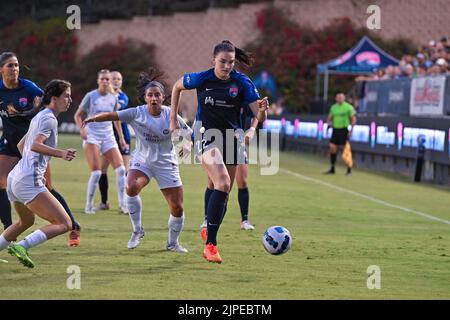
point(99, 139)
point(25, 186)
point(221, 92)
point(154, 156)
point(20, 101)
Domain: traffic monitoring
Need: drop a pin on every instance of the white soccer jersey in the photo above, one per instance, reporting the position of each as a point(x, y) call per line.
point(32, 163)
point(153, 139)
point(94, 103)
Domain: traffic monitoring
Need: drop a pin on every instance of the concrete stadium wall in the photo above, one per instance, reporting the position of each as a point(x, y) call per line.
point(185, 40)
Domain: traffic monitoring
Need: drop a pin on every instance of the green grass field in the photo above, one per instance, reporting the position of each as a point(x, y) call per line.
point(337, 235)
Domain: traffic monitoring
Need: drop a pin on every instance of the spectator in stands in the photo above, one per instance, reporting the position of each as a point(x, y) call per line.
point(407, 72)
point(389, 73)
point(421, 71)
point(434, 70)
point(442, 65)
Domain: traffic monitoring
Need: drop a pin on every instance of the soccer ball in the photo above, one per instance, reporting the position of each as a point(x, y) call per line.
point(277, 240)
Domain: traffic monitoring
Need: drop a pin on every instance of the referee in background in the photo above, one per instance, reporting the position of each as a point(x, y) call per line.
point(341, 115)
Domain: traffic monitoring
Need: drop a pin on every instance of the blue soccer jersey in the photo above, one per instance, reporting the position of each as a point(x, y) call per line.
point(246, 118)
point(123, 102)
point(220, 101)
point(17, 108)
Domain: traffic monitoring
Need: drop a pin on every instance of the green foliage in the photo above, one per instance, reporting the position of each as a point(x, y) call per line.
point(127, 56)
point(47, 50)
point(291, 52)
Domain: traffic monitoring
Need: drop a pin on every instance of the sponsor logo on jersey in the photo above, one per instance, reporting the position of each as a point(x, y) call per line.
point(233, 92)
point(23, 102)
point(209, 100)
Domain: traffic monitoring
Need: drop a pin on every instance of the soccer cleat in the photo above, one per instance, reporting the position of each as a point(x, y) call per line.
point(74, 238)
point(123, 209)
point(102, 206)
point(204, 234)
point(20, 253)
point(177, 248)
point(203, 225)
point(211, 254)
point(349, 172)
point(331, 171)
point(246, 225)
point(136, 238)
point(89, 210)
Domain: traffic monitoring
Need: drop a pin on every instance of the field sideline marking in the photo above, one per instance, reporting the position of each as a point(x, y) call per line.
point(332, 186)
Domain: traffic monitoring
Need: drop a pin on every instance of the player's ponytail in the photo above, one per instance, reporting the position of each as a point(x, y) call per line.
point(54, 88)
point(152, 78)
point(243, 57)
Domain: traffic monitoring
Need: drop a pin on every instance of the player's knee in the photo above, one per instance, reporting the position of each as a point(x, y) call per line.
point(3, 183)
point(132, 189)
point(120, 170)
point(177, 209)
point(241, 183)
point(224, 183)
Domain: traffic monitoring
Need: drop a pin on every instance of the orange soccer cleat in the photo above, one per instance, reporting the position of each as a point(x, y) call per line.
point(211, 253)
point(204, 234)
point(74, 238)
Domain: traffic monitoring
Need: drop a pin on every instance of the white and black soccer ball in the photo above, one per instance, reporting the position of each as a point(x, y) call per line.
point(277, 240)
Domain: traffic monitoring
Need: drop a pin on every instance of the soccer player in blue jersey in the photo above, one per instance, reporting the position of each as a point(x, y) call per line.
point(116, 83)
point(19, 103)
point(249, 124)
point(221, 92)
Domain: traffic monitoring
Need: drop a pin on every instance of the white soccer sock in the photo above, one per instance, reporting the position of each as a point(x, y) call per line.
point(92, 187)
point(134, 205)
point(3, 242)
point(120, 182)
point(33, 239)
point(175, 227)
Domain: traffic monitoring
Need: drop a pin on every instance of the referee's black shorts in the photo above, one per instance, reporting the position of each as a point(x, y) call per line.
point(339, 136)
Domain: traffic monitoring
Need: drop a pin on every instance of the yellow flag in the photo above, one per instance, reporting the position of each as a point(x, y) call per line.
point(347, 155)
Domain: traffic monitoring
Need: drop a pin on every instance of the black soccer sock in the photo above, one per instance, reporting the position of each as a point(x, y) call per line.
point(103, 185)
point(225, 207)
point(216, 207)
point(5, 209)
point(208, 193)
point(333, 157)
point(243, 199)
point(75, 224)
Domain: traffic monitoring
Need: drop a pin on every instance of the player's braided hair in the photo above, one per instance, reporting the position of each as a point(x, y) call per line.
point(54, 88)
point(152, 78)
point(243, 58)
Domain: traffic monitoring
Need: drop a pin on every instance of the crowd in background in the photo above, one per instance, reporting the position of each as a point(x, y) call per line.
point(431, 59)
